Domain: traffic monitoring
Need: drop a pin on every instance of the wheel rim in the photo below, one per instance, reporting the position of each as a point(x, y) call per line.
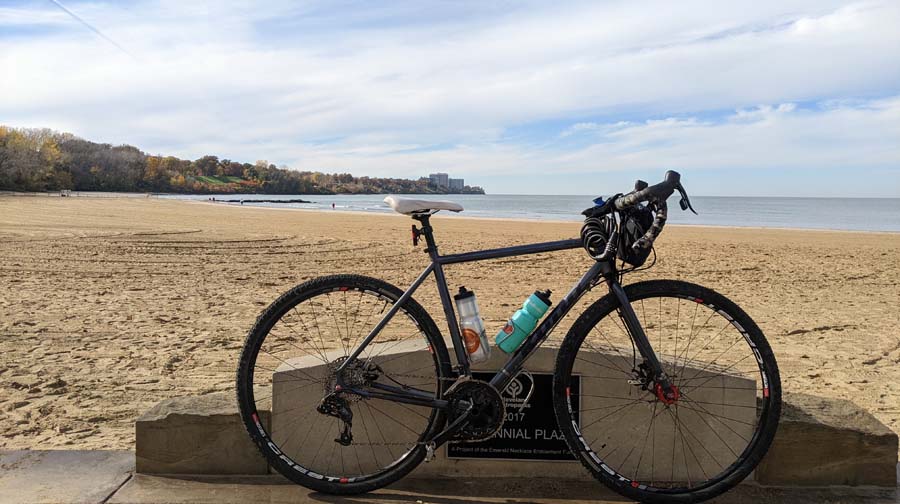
point(293, 369)
point(627, 430)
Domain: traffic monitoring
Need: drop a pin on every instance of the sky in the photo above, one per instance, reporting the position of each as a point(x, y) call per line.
point(763, 98)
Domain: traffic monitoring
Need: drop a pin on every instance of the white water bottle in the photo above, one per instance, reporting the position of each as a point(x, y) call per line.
point(471, 326)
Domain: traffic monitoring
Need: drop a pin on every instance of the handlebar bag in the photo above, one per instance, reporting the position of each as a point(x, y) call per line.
point(636, 221)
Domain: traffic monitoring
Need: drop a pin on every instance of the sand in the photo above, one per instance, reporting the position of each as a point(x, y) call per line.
point(108, 306)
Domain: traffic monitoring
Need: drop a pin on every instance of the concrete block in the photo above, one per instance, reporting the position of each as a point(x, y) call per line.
point(290, 399)
point(197, 435)
point(62, 476)
point(822, 442)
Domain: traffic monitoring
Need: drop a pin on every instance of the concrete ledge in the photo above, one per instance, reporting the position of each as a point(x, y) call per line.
point(822, 442)
point(62, 476)
point(197, 435)
point(95, 477)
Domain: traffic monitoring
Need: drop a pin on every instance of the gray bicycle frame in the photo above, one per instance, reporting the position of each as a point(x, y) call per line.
point(514, 364)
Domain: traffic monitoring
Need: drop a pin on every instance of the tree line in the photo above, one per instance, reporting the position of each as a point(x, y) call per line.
point(47, 160)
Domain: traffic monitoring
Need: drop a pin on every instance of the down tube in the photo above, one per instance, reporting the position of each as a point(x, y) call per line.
point(514, 364)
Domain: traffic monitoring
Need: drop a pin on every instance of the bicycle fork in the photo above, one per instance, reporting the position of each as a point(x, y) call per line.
point(663, 389)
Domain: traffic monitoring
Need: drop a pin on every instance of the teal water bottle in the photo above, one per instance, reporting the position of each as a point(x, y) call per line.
point(523, 321)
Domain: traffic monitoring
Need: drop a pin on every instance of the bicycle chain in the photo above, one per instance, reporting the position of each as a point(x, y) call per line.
point(423, 443)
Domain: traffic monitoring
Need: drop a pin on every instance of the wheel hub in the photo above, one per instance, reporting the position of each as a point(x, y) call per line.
point(645, 379)
point(668, 397)
point(357, 374)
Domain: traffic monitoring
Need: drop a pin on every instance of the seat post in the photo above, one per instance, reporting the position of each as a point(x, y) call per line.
point(428, 232)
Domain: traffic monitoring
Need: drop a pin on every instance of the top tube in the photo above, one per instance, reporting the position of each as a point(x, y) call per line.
point(532, 248)
point(481, 255)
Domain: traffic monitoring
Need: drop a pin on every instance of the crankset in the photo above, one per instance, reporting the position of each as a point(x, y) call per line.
point(481, 404)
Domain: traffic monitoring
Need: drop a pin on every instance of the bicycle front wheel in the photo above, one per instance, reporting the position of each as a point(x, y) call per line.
point(289, 365)
point(649, 447)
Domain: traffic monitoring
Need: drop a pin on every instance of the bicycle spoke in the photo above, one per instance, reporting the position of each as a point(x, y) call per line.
point(653, 415)
point(693, 454)
point(626, 405)
point(401, 424)
point(677, 327)
point(612, 347)
point(318, 355)
point(337, 325)
point(306, 329)
point(616, 369)
point(709, 341)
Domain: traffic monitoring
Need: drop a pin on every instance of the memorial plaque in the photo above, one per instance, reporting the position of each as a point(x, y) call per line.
point(529, 433)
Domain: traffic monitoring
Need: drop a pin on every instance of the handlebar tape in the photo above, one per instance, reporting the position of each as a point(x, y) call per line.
point(658, 192)
point(659, 221)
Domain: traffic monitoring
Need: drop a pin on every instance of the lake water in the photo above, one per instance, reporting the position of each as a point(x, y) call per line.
point(858, 214)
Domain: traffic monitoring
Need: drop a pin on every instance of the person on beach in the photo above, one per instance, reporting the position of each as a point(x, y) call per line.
point(332, 206)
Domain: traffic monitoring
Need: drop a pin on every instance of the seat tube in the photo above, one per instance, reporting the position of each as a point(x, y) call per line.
point(462, 357)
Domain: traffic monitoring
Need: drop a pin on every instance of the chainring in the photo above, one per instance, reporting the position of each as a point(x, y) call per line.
point(488, 409)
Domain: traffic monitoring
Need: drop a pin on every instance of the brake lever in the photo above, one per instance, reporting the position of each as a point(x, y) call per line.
point(684, 202)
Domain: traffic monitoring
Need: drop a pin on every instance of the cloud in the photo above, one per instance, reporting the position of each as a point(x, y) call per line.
point(400, 89)
point(765, 137)
point(780, 136)
point(581, 127)
point(21, 16)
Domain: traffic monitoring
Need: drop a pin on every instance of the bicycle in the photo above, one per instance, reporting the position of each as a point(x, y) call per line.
point(675, 424)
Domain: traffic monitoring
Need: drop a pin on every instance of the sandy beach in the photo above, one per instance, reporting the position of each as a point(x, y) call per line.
point(108, 306)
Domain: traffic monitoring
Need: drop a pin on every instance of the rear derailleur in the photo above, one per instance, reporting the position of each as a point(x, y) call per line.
point(336, 406)
point(336, 403)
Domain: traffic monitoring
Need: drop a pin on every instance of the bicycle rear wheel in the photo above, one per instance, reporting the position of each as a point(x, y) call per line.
point(291, 357)
point(636, 441)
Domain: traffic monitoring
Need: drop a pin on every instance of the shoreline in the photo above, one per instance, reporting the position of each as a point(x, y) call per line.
point(534, 221)
point(89, 194)
point(327, 211)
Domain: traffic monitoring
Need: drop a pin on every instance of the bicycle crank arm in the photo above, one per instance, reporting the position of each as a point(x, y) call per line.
point(448, 432)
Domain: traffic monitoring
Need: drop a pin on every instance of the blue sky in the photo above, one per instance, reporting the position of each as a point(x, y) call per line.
point(784, 98)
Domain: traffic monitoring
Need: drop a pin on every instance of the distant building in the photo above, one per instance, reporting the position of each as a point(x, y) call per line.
point(439, 180)
point(457, 184)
